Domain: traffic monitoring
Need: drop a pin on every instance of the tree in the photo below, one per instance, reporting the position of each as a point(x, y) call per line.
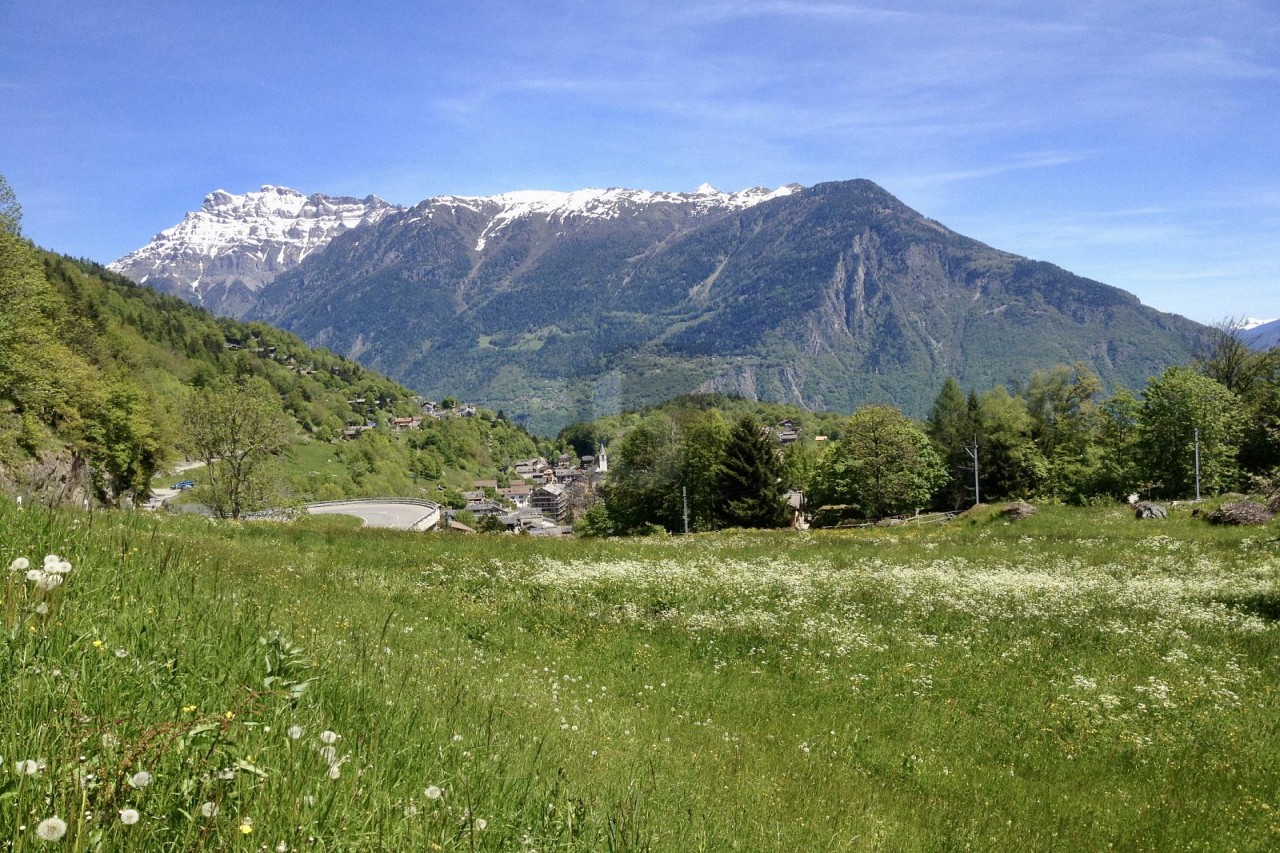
point(236, 428)
point(750, 479)
point(644, 477)
point(1063, 409)
point(1118, 471)
point(1011, 465)
point(703, 436)
point(1230, 361)
point(884, 465)
point(10, 210)
point(1177, 404)
point(952, 427)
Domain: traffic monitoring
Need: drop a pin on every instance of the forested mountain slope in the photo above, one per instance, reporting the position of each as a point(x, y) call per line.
point(96, 371)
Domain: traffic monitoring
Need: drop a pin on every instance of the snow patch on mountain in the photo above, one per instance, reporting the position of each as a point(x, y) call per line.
point(610, 203)
point(247, 239)
point(224, 253)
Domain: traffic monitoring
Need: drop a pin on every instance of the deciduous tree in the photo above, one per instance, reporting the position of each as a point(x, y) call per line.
point(884, 465)
point(236, 428)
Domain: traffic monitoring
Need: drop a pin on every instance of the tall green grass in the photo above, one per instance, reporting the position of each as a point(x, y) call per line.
point(1078, 680)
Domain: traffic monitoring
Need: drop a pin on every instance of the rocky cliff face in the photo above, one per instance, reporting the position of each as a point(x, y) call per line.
point(223, 254)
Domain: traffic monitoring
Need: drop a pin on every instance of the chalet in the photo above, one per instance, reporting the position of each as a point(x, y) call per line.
point(407, 423)
point(482, 508)
point(530, 469)
point(517, 494)
point(567, 474)
point(486, 484)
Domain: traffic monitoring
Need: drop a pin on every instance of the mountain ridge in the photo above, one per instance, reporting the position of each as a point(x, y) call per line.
point(564, 306)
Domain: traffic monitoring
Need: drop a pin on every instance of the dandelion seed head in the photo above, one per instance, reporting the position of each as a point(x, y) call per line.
point(21, 564)
point(481, 823)
point(295, 732)
point(141, 779)
point(52, 829)
point(122, 653)
point(52, 559)
point(27, 767)
point(433, 792)
point(49, 581)
point(329, 754)
point(328, 737)
point(209, 809)
point(129, 816)
point(335, 771)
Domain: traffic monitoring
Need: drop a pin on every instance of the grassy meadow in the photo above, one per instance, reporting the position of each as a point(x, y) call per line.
point(1075, 681)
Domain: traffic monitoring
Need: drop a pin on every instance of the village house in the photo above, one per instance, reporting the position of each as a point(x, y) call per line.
point(517, 494)
point(551, 500)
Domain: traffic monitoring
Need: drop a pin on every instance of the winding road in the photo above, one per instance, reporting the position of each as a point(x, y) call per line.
point(393, 514)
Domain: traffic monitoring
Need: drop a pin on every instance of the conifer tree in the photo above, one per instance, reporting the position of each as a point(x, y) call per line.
point(750, 478)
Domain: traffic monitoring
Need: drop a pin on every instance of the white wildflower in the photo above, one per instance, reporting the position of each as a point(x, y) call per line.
point(49, 581)
point(52, 829)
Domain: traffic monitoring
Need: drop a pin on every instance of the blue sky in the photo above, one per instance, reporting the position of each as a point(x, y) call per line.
point(1131, 142)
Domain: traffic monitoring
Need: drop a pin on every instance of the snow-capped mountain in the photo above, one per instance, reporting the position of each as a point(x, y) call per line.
point(221, 255)
point(506, 208)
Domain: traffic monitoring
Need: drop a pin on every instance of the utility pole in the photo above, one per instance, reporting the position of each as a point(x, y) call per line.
point(684, 498)
point(973, 454)
point(1197, 434)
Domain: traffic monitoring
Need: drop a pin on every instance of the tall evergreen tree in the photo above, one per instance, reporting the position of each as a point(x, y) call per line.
point(952, 426)
point(750, 481)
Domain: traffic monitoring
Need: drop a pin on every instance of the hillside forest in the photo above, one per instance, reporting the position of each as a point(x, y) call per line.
point(99, 379)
